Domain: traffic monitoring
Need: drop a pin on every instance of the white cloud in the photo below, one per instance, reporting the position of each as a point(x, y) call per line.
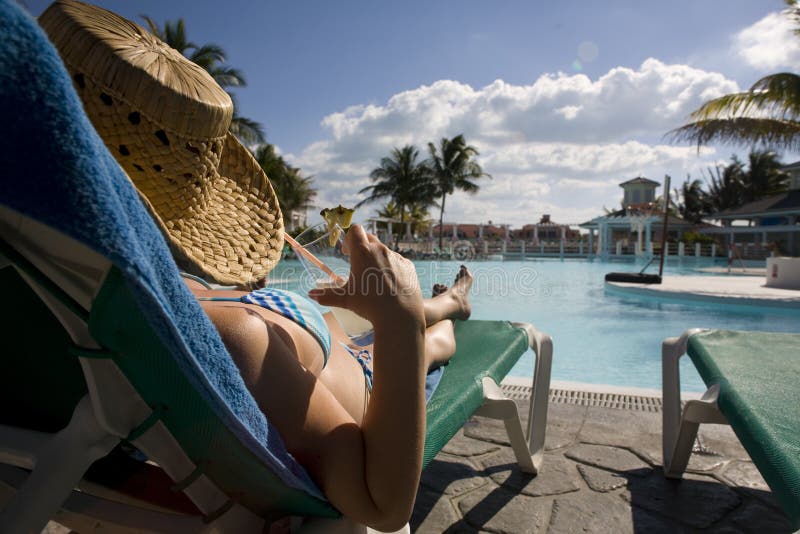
point(769, 43)
point(560, 145)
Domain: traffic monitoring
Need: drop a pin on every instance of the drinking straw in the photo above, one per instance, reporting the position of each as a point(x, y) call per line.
point(313, 259)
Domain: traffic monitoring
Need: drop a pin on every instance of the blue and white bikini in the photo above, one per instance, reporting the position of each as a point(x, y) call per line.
point(306, 314)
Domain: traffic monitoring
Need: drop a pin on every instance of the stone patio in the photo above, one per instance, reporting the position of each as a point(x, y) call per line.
point(601, 473)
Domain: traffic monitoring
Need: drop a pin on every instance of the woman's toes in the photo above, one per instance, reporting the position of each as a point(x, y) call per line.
point(438, 289)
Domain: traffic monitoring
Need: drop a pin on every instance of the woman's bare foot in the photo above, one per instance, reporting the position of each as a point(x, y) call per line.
point(459, 292)
point(438, 289)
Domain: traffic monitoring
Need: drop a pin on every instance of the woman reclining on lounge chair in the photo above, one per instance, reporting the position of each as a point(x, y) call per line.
point(360, 440)
point(166, 121)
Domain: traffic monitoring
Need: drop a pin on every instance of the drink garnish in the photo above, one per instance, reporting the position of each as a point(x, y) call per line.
point(337, 219)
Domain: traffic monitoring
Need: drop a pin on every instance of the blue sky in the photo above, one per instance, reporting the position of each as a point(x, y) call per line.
point(564, 100)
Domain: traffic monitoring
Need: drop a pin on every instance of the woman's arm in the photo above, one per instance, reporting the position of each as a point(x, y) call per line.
point(383, 288)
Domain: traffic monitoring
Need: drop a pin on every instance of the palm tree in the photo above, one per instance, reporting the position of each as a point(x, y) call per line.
point(401, 178)
point(767, 115)
point(417, 215)
point(694, 203)
point(733, 185)
point(726, 186)
point(764, 176)
point(294, 191)
point(211, 58)
point(453, 168)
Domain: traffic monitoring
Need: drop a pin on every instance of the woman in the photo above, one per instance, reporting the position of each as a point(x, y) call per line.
point(363, 448)
point(166, 121)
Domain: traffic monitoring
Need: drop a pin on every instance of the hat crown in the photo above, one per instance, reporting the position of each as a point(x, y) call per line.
point(165, 120)
point(137, 67)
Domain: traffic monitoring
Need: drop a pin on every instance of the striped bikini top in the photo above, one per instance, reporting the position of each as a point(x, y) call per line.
point(292, 306)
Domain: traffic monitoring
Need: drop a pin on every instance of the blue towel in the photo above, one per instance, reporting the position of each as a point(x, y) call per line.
point(55, 169)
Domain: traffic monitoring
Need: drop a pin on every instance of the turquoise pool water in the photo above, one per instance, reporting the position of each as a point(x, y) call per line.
point(598, 337)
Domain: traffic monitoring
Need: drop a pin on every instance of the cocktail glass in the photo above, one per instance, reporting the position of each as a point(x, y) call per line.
point(319, 251)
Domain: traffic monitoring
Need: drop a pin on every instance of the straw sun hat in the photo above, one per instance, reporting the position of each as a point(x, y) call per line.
point(166, 121)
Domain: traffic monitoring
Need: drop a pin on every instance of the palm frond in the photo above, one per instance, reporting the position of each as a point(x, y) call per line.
point(779, 94)
point(247, 130)
point(208, 55)
point(776, 95)
point(153, 27)
point(765, 132)
point(174, 34)
point(227, 76)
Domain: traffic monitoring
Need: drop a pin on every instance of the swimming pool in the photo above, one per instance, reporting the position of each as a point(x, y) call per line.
point(598, 337)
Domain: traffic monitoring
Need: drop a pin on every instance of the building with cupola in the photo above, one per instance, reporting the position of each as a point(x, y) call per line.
point(637, 225)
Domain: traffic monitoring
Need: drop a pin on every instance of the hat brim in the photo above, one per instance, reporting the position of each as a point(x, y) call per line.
point(235, 235)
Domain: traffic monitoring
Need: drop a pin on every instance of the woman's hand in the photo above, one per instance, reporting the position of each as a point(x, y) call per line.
point(382, 286)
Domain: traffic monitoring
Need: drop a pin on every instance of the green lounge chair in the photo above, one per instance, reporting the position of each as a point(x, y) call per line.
point(469, 385)
point(128, 357)
point(752, 380)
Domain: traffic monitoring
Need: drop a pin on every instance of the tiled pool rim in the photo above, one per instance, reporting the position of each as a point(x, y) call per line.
point(601, 395)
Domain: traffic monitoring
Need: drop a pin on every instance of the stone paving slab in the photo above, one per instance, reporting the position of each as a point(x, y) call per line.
point(601, 473)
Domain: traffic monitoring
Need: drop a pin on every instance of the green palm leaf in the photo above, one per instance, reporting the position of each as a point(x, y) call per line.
point(453, 168)
point(248, 131)
point(766, 132)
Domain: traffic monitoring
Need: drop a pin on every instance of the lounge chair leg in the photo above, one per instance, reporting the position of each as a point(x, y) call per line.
point(671, 351)
point(60, 464)
point(497, 406)
point(679, 428)
point(528, 446)
point(542, 346)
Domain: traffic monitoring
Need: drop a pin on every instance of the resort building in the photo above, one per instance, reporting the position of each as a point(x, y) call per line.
point(766, 226)
point(545, 230)
point(456, 231)
point(639, 191)
point(637, 226)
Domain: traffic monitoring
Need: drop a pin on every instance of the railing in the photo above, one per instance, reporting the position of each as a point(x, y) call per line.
point(519, 249)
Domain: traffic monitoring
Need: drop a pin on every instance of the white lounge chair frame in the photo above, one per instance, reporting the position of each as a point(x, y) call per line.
point(528, 445)
point(680, 427)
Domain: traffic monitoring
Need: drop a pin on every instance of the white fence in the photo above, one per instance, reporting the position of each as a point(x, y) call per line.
point(519, 249)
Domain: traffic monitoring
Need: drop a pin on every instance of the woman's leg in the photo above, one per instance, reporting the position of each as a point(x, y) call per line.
point(440, 343)
point(452, 303)
point(440, 311)
point(446, 305)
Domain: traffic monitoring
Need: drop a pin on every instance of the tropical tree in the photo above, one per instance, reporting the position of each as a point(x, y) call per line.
point(764, 176)
point(294, 191)
point(725, 186)
point(211, 57)
point(454, 168)
point(419, 217)
point(401, 178)
point(736, 184)
point(417, 214)
point(693, 203)
point(766, 115)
